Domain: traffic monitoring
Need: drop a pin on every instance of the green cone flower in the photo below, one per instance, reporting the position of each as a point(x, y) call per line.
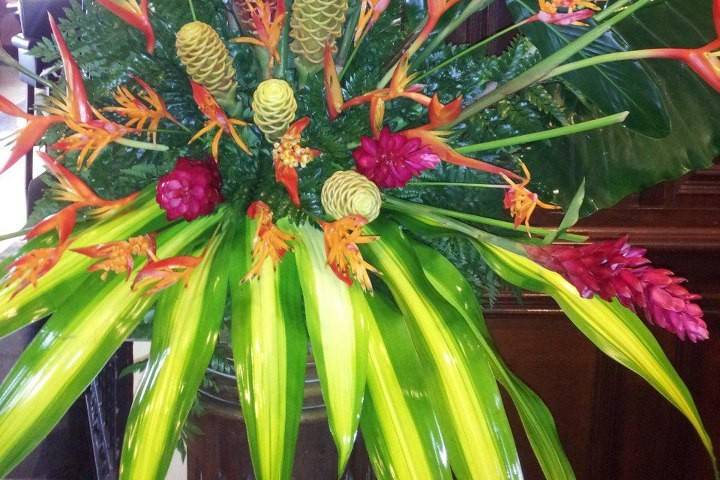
point(274, 106)
point(207, 60)
point(351, 193)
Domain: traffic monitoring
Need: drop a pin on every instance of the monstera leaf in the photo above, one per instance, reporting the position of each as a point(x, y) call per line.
point(618, 161)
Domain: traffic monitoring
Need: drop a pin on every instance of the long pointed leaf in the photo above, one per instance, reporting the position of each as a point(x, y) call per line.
point(399, 426)
point(614, 329)
point(466, 396)
point(34, 303)
point(338, 335)
point(534, 414)
point(270, 348)
point(70, 350)
point(185, 329)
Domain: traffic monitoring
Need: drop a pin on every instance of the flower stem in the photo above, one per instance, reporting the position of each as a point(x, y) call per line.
point(19, 233)
point(546, 134)
point(143, 145)
point(470, 49)
point(192, 10)
point(612, 57)
point(540, 70)
point(452, 184)
point(412, 209)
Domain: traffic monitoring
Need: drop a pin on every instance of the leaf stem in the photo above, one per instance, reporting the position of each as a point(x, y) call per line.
point(19, 233)
point(143, 145)
point(540, 70)
point(470, 49)
point(546, 134)
point(611, 57)
point(452, 184)
point(412, 208)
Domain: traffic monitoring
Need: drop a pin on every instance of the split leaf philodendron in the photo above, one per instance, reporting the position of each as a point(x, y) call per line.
point(283, 182)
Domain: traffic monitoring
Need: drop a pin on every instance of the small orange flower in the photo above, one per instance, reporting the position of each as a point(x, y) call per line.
point(268, 24)
point(28, 269)
point(118, 256)
point(161, 274)
point(553, 6)
point(522, 202)
point(216, 119)
point(92, 136)
point(146, 107)
point(70, 188)
point(289, 154)
point(400, 86)
point(341, 248)
point(269, 243)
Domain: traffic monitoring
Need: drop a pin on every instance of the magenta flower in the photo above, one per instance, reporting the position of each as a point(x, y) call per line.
point(392, 159)
point(614, 268)
point(191, 189)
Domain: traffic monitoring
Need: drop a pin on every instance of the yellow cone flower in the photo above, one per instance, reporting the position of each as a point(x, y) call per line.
point(351, 193)
point(274, 106)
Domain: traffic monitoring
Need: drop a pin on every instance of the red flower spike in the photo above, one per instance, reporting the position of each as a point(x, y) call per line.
point(161, 274)
point(29, 268)
point(216, 119)
point(135, 15)
point(333, 93)
point(341, 249)
point(190, 190)
point(29, 135)
point(289, 154)
point(78, 104)
point(118, 256)
point(269, 243)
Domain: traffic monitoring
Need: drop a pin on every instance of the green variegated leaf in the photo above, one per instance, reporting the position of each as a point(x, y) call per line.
point(338, 335)
point(270, 347)
point(399, 428)
point(614, 329)
point(464, 390)
point(52, 289)
point(71, 349)
point(185, 329)
point(534, 414)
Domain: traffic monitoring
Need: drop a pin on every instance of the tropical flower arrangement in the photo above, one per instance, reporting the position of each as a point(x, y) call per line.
point(306, 176)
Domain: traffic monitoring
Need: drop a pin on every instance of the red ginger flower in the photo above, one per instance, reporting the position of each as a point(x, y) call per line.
point(614, 268)
point(191, 189)
point(393, 159)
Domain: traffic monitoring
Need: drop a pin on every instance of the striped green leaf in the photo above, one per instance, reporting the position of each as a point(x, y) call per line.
point(338, 335)
point(534, 414)
point(70, 350)
point(614, 329)
point(465, 393)
point(399, 427)
point(185, 328)
point(270, 349)
point(52, 290)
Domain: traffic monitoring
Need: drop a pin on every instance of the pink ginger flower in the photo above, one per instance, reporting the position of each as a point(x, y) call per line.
point(614, 268)
point(393, 159)
point(191, 189)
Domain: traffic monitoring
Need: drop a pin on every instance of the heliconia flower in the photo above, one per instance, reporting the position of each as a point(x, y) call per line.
point(29, 268)
point(521, 202)
point(270, 242)
point(158, 275)
point(92, 136)
point(333, 92)
point(118, 256)
point(29, 135)
point(289, 154)
point(393, 159)
point(134, 14)
point(268, 20)
point(615, 269)
point(370, 12)
point(72, 189)
point(554, 6)
point(435, 10)
point(190, 190)
point(400, 86)
point(342, 238)
point(568, 18)
point(146, 107)
point(216, 119)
